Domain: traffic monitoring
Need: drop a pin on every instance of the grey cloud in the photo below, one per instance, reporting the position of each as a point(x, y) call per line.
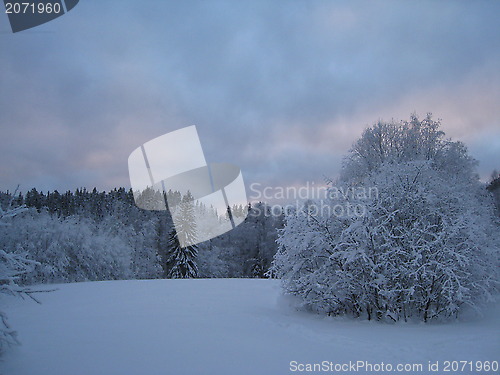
point(293, 83)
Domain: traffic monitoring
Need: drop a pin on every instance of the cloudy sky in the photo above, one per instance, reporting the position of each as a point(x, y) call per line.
point(280, 88)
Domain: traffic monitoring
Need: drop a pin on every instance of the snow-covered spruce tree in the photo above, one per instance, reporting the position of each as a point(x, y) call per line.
point(181, 260)
point(425, 246)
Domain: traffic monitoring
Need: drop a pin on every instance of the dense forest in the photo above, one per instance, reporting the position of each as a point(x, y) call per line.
point(94, 235)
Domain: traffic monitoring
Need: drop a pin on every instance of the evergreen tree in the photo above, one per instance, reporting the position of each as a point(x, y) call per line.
point(182, 238)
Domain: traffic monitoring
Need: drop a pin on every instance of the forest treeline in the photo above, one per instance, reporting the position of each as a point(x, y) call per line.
point(87, 235)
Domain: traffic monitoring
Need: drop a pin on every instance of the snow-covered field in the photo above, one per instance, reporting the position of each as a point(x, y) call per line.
point(219, 327)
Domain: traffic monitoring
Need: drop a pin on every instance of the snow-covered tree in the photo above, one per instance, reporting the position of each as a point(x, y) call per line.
point(425, 246)
point(145, 257)
point(12, 267)
point(68, 249)
point(183, 250)
point(398, 142)
point(212, 260)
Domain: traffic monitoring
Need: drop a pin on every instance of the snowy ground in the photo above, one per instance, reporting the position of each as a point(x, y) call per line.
point(219, 327)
